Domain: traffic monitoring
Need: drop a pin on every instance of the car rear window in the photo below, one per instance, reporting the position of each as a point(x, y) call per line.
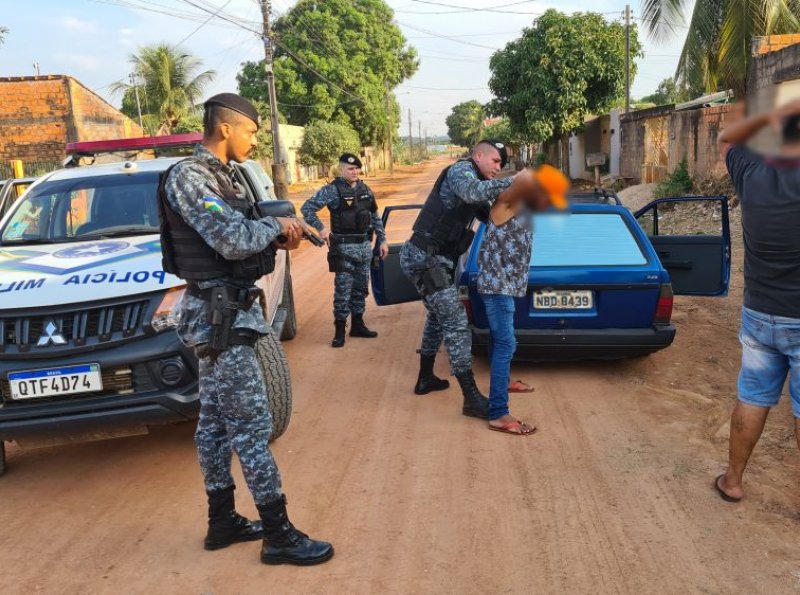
point(584, 239)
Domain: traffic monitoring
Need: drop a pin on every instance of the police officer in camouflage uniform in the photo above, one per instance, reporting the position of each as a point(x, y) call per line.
point(441, 235)
point(212, 238)
point(354, 218)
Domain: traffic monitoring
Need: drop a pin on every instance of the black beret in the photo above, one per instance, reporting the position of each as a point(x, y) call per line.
point(236, 103)
point(501, 148)
point(350, 159)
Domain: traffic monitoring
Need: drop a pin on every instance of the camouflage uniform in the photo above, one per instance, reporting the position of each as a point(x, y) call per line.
point(351, 287)
point(234, 411)
point(447, 320)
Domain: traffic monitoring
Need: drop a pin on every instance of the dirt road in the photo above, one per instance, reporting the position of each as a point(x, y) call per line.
point(613, 495)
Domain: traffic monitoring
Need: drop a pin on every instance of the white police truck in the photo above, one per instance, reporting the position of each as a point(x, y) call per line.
point(88, 348)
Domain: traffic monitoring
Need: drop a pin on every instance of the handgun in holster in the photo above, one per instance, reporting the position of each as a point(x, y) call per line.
point(435, 279)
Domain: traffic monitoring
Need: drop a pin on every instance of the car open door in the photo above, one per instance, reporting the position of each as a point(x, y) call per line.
point(692, 238)
point(10, 191)
point(389, 284)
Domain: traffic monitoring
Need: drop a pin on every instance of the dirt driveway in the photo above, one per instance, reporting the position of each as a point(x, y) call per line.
point(613, 495)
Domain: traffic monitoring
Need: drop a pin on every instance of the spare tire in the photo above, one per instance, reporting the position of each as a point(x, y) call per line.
point(275, 370)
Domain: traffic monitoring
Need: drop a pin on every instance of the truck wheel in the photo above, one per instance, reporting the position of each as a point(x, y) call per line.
point(289, 331)
point(2, 458)
point(275, 369)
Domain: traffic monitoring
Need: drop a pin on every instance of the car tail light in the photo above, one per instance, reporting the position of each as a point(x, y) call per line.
point(463, 295)
point(664, 307)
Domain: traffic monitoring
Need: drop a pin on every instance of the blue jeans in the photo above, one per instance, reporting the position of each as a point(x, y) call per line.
point(500, 312)
point(770, 353)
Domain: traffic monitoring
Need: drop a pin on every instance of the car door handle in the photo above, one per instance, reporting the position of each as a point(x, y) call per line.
point(678, 264)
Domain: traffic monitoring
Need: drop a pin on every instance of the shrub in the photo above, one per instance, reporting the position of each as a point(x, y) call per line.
point(678, 183)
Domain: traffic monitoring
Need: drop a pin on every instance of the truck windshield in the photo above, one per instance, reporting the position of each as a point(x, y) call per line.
point(85, 208)
point(584, 239)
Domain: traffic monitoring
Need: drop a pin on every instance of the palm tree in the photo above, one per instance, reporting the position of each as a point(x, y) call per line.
point(718, 45)
point(171, 84)
point(3, 33)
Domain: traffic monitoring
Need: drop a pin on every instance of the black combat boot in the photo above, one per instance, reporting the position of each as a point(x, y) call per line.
point(283, 544)
point(359, 329)
point(475, 404)
point(427, 382)
point(338, 338)
point(225, 525)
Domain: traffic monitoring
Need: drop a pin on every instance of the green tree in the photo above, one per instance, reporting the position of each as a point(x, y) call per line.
point(171, 84)
point(324, 141)
point(667, 92)
point(355, 45)
point(559, 71)
point(465, 123)
point(716, 52)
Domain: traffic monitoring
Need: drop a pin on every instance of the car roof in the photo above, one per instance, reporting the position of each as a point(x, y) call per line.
point(107, 169)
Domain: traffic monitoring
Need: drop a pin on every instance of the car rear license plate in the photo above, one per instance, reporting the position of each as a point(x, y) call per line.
point(54, 382)
point(563, 300)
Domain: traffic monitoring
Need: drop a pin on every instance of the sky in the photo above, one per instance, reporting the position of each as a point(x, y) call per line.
point(91, 40)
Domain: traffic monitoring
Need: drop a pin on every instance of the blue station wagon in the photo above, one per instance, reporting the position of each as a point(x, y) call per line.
point(601, 280)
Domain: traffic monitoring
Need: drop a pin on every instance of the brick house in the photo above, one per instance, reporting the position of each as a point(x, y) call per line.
point(39, 115)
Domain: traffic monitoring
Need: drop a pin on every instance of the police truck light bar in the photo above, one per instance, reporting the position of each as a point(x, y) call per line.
point(172, 141)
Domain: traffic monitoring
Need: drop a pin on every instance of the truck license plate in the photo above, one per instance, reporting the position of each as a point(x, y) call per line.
point(563, 300)
point(53, 382)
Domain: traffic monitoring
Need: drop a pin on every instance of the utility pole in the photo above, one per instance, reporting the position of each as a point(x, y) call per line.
point(410, 139)
point(627, 58)
point(278, 165)
point(136, 92)
point(389, 127)
point(419, 133)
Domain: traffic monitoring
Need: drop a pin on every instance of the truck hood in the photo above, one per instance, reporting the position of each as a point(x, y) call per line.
point(39, 275)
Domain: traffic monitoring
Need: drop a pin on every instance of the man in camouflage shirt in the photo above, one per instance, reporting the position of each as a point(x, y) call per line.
point(212, 237)
point(429, 263)
point(354, 218)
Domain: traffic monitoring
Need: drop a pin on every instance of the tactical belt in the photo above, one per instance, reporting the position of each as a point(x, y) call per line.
point(223, 303)
point(242, 298)
point(349, 238)
point(424, 243)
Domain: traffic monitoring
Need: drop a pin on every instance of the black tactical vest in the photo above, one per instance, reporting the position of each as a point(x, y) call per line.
point(353, 215)
point(439, 230)
point(187, 255)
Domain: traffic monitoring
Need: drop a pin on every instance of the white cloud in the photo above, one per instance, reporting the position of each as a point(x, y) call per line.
point(84, 62)
point(76, 25)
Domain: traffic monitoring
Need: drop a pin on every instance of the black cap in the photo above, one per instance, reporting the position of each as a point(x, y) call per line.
point(500, 146)
point(350, 159)
point(236, 103)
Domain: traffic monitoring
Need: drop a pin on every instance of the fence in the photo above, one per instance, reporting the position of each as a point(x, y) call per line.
point(29, 168)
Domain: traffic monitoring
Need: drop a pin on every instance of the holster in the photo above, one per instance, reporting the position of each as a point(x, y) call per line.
point(434, 279)
point(223, 304)
point(336, 262)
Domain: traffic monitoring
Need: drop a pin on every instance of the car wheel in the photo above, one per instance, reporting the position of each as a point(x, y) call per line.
point(2, 458)
point(275, 370)
point(289, 331)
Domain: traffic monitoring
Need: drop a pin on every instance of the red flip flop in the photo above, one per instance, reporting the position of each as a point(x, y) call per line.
point(517, 428)
point(520, 387)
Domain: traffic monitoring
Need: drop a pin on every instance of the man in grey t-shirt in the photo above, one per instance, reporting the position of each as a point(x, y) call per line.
point(769, 192)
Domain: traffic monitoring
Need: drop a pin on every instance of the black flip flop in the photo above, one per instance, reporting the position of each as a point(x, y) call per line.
point(722, 493)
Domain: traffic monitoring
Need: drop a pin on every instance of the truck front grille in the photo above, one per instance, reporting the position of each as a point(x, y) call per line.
point(82, 325)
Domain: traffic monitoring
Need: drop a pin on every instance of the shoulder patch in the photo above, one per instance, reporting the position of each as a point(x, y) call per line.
point(468, 173)
point(213, 204)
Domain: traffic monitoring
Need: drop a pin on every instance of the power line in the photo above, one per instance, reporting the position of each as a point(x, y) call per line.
point(454, 40)
point(204, 23)
point(462, 9)
point(445, 89)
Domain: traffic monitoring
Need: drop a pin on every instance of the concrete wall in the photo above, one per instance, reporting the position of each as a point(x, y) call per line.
point(39, 115)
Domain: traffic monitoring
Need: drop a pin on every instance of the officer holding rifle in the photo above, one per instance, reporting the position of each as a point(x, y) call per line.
point(213, 237)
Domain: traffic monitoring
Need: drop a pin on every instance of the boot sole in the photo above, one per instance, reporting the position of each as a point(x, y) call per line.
point(277, 560)
point(430, 390)
point(211, 546)
point(474, 413)
point(364, 336)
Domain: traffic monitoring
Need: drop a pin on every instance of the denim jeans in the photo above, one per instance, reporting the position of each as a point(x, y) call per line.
point(500, 312)
point(770, 353)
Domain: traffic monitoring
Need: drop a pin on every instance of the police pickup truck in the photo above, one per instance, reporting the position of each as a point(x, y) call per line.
point(88, 348)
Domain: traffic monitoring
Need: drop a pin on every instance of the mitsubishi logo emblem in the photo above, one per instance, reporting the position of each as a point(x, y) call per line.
point(51, 334)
